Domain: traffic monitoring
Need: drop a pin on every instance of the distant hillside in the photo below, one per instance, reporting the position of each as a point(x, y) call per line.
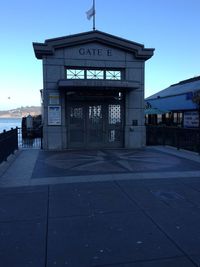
point(20, 112)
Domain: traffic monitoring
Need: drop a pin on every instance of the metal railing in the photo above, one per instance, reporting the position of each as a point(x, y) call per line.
point(29, 141)
point(178, 137)
point(8, 143)
point(13, 139)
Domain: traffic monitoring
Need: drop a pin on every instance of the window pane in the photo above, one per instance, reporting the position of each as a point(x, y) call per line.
point(95, 74)
point(113, 75)
point(75, 74)
point(159, 118)
point(114, 114)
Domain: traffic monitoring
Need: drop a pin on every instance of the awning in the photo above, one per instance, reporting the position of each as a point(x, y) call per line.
point(154, 111)
point(74, 85)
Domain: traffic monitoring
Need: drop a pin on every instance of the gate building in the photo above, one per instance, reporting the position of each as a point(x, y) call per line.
point(93, 91)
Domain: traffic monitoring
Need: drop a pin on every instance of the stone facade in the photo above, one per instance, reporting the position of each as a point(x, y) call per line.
point(93, 50)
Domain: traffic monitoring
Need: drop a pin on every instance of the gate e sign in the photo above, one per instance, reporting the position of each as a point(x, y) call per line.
point(95, 52)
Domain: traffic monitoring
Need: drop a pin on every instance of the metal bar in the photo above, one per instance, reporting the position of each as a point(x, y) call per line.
point(94, 16)
point(173, 136)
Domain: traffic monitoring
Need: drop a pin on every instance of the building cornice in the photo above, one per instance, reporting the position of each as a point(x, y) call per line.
point(48, 47)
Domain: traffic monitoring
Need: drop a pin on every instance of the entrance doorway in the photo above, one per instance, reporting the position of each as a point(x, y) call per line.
point(95, 121)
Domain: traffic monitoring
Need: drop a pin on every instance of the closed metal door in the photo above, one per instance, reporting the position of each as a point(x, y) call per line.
point(97, 125)
point(76, 125)
point(114, 126)
point(94, 125)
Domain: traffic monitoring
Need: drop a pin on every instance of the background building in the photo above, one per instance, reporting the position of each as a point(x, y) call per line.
point(175, 105)
point(93, 95)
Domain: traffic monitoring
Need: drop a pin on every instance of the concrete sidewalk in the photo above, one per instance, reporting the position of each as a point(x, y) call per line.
point(37, 167)
point(146, 218)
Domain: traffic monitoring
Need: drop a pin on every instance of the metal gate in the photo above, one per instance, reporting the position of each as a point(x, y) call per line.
point(29, 142)
point(96, 124)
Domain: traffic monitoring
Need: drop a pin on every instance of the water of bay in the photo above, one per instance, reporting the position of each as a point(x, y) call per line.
point(8, 123)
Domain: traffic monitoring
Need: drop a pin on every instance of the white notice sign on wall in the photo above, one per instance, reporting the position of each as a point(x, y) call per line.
point(54, 115)
point(191, 119)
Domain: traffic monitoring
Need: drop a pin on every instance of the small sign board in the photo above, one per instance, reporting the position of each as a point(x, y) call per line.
point(54, 115)
point(54, 99)
point(191, 119)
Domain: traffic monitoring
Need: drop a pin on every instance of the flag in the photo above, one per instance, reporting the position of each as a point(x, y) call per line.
point(90, 13)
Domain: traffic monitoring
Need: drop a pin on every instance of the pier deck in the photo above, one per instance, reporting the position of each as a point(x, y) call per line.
point(119, 208)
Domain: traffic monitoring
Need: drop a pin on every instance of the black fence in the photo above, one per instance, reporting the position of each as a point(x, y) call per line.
point(8, 143)
point(29, 141)
point(173, 136)
point(13, 139)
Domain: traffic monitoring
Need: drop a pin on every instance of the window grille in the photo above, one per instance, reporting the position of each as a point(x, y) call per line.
point(113, 75)
point(75, 74)
point(95, 74)
point(90, 74)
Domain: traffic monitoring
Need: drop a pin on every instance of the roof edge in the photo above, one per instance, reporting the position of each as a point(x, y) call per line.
point(47, 48)
point(42, 49)
point(194, 79)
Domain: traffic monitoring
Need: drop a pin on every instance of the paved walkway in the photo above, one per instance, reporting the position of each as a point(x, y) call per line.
point(119, 208)
point(37, 167)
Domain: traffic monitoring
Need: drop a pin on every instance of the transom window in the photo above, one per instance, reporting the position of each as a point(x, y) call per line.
point(94, 74)
point(75, 74)
point(113, 75)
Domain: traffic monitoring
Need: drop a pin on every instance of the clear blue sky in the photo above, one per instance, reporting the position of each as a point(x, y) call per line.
point(171, 27)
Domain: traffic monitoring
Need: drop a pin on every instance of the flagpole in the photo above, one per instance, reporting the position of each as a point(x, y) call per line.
point(94, 15)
